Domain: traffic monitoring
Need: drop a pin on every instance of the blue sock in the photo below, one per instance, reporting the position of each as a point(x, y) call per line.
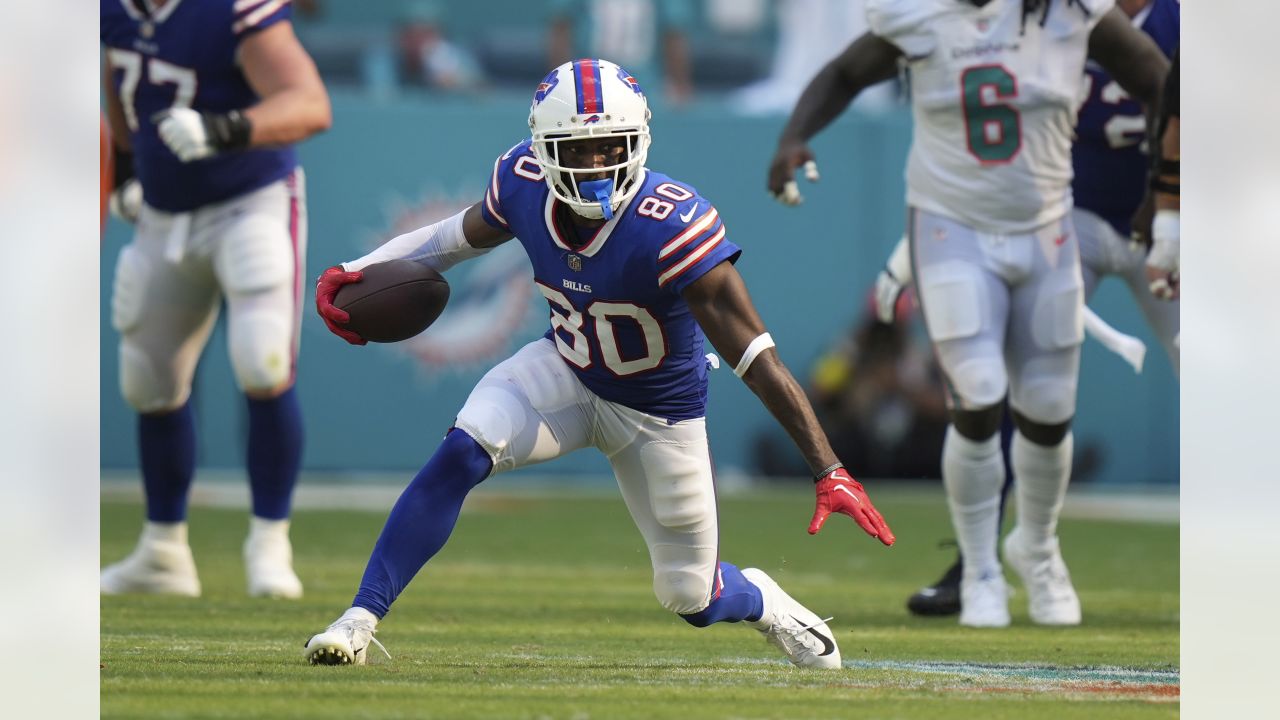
point(167, 453)
point(274, 453)
point(422, 520)
point(738, 600)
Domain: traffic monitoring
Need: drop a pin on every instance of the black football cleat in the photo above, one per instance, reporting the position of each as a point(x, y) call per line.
point(941, 598)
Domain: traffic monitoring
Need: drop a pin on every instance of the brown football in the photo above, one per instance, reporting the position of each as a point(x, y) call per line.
point(394, 301)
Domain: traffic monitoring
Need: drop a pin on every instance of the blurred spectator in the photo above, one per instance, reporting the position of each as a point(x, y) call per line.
point(627, 32)
point(879, 396)
point(426, 56)
point(810, 33)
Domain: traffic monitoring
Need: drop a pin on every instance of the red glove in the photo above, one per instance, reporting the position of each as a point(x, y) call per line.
point(327, 287)
point(839, 492)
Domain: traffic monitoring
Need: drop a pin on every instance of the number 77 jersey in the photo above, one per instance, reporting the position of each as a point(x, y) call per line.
point(617, 316)
point(994, 99)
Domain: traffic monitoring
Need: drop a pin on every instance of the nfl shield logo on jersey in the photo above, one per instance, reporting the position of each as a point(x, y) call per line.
point(575, 263)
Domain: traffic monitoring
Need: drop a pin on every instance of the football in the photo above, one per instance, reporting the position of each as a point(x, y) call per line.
point(394, 301)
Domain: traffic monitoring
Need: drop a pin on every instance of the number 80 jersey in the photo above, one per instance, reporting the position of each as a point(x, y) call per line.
point(617, 316)
point(994, 100)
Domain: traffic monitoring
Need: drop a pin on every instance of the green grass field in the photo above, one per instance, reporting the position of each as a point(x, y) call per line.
point(541, 606)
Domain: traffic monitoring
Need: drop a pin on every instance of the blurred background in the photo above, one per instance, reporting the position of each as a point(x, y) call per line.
point(427, 93)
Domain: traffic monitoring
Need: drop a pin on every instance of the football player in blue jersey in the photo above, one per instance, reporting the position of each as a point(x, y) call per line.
point(1110, 168)
point(635, 267)
point(205, 100)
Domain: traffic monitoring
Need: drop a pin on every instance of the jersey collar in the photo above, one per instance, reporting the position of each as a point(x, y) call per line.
point(602, 235)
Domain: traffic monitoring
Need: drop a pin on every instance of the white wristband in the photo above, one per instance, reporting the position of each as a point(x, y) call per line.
point(440, 245)
point(1165, 240)
point(762, 342)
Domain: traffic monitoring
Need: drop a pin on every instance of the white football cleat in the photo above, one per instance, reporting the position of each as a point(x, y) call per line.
point(346, 641)
point(984, 601)
point(161, 564)
point(791, 627)
point(268, 560)
point(1053, 599)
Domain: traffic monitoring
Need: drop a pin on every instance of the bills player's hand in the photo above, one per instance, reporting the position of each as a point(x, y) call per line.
point(838, 492)
point(193, 135)
point(1163, 260)
point(782, 172)
point(327, 286)
point(125, 201)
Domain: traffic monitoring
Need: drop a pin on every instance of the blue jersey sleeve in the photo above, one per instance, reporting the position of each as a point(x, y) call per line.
point(251, 16)
point(511, 168)
point(694, 243)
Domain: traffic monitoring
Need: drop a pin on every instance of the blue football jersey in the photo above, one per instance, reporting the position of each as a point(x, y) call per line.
point(617, 316)
point(184, 55)
point(1108, 156)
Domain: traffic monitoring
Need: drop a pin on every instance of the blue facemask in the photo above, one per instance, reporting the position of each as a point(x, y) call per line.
point(601, 191)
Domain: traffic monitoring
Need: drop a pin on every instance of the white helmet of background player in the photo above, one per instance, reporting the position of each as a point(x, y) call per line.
point(590, 98)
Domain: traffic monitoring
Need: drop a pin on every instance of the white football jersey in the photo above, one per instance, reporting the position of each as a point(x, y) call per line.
point(994, 102)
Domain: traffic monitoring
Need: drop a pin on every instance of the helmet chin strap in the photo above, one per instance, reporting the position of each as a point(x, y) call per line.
point(601, 191)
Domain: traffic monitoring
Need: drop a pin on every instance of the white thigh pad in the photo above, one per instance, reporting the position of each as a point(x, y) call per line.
point(255, 254)
point(1058, 316)
point(680, 486)
point(951, 296)
point(130, 288)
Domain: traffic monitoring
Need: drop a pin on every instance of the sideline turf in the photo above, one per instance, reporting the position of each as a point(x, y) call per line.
point(542, 607)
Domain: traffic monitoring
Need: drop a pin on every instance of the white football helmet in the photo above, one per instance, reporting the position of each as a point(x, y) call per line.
point(590, 98)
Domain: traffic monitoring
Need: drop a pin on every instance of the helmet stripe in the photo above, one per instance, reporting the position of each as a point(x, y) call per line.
point(586, 80)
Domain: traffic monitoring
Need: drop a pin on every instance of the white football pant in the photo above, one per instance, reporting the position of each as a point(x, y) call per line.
point(532, 408)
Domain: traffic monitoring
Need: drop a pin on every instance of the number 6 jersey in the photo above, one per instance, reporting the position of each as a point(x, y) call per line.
point(994, 101)
point(617, 316)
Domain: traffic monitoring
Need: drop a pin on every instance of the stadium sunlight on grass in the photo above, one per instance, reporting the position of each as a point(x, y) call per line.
point(541, 606)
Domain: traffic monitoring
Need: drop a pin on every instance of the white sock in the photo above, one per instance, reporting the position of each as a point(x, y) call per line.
point(1042, 473)
point(165, 532)
point(359, 613)
point(262, 527)
point(973, 473)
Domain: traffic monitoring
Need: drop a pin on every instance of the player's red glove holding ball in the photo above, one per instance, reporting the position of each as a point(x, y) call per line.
point(327, 287)
point(839, 492)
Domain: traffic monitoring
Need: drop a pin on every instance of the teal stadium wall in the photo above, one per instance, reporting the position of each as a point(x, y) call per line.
point(393, 165)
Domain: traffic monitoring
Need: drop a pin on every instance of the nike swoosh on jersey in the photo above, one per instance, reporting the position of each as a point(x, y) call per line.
point(828, 646)
point(686, 217)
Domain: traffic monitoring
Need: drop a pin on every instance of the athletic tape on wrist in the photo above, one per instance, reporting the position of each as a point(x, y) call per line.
point(763, 342)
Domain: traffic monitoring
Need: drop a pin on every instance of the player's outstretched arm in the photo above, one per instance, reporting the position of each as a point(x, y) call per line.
point(867, 61)
point(723, 308)
point(440, 245)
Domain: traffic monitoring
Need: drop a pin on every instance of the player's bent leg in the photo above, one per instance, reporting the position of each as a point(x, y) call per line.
point(422, 520)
